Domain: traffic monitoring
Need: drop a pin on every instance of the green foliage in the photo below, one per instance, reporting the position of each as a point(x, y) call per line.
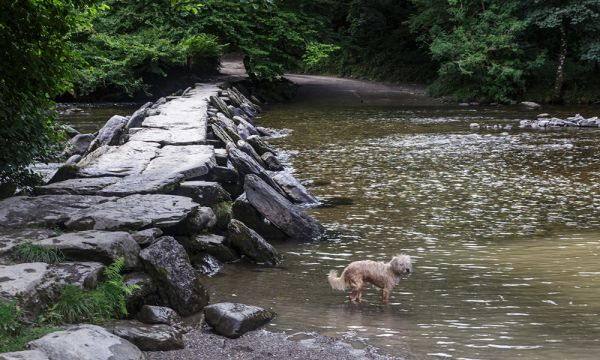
point(106, 302)
point(317, 52)
point(27, 252)
point(13, 334)
point(222, 208)
point(203, 51)
point(35, 66)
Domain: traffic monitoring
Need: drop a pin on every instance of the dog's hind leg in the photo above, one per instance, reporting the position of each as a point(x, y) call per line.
point(385, 295)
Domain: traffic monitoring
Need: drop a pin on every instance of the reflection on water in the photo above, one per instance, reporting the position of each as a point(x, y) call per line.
point(503, 227)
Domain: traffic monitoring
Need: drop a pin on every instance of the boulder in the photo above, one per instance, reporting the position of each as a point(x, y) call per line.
point(64, 172)
point(205, 193)
point(249, 150)
point(224, 174)
point(293, 188)
point(201, 220)
point(47, 210)
point(233, 320)
point(146, 337)
point(289, 218)
point(78, 145)
point(112, 132)
point(242, 210)
point(146, 237)
point(86, 342)
point(250, 244)
point(24, 355)
point(220, 104)
point(215, 245)
point(82, 186)
point(221, 157)
point(271, 162)
point(134, 212)
point(206, 264)
point(221, 134)
point(144, 294)
point(149, 314)
point(138, 116)
point(37, 284)
point(259, 145)
point(92, 245)
point(178, 285)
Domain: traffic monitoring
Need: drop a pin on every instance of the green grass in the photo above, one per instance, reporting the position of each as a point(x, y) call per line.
point(17, 342)
point(13, 334)
point(28, 252)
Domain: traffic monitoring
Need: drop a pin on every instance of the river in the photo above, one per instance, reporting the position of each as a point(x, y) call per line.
point(503, 226)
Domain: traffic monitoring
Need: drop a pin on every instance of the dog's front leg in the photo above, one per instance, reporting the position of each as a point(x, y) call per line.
point(355, 296)
point(385, 295)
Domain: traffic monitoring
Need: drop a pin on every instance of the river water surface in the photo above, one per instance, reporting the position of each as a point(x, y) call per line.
point(503, 227)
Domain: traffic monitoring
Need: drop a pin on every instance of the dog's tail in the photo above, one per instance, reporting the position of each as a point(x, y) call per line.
point(337, 283)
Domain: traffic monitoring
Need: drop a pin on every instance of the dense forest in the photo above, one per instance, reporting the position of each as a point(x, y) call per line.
point(485, 51)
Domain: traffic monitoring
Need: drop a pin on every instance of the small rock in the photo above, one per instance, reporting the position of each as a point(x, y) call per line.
point(138, 116)
point(146, 237)
point(144, 294)
point(249, 150)
point(149, 314)
point(159, 337)
point(78, 145)
point(259, 145)
point(530, 105)
point(215, 245)
point(271, 162)
point(233, 320)
point(86, 342)
point(543, 115)
point(294, 190)
point(73, 159)
point(206, 264)
point(251, 244)
point(205, 193)
point(474, 126)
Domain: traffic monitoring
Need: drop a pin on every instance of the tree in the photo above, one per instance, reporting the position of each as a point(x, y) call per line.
point(575, 20)
point(35, 66)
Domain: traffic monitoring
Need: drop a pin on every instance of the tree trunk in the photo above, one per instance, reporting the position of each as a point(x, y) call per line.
point(560, 70)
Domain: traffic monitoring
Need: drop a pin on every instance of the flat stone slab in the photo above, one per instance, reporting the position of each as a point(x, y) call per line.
point(203, 192)
point(24, 355)
point(130, 158)
point(46, 210)
point(134, 212)
point(86, 342)
point(35, 285)
point(93, 245)
point(83, 186)
point(233, 320)
point(171, 136)
point(9, 238)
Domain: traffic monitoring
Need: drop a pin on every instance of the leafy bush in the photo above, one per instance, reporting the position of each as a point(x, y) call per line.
point(28, 252)
point(222, 208)
point(106, 302)
point(317, 52)
point(203, 52)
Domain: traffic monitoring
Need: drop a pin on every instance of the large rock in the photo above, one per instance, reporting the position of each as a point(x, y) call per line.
point(242, 210)
point(78, 145)
point(146, 337)
point(249, 150)
point(134, 212)
point(149, 314)
point(112, 132)
point(145, 293)
point(128, 159)
point(220, 104)
point(271, 161)
point(246, 165)
point(102, 246)
point(138, 116)
point(146, 237)
point(178, 285)
point(24, 355)
point(259, 145)
point(233, 320)
point(174, 136)
point(37, 284)
point(293, 188)
point(205, 193)
point(83, 186)
point(247, 242)
point(215, 245)
point(47, 210)
point(86, 342)
point(289, 218)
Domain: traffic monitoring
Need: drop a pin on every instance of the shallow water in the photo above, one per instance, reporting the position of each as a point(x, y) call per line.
point(503, 228)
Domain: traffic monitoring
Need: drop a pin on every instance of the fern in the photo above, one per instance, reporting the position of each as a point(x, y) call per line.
point(28, 252)
point(9, 318)
point(107, 301)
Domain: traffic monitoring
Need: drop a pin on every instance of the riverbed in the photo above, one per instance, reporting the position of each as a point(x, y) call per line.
point(503, 226)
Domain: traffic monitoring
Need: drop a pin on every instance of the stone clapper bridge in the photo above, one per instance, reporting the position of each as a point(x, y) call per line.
point(144, 189)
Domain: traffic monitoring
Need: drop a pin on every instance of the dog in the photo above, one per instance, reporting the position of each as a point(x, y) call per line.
point(383, 275)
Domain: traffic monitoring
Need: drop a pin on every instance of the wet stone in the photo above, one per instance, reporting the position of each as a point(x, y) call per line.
point(250, 244)
point(149, 314)
point(147, 337)
point(233, 320)
point(203, 192)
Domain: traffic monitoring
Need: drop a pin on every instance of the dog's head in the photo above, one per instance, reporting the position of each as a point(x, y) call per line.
point(401, 265)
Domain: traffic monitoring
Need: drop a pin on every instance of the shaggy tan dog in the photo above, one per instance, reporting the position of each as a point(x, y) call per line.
point(383, 275)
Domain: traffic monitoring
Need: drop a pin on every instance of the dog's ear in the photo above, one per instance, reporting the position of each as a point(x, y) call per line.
point(397, 264)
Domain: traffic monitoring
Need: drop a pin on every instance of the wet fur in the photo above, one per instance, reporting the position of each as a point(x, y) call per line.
point(383, 275)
